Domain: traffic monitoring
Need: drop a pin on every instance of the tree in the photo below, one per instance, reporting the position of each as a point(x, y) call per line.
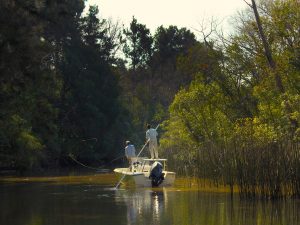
point(29, 86)
point(267, 49)
point(170, 42)
point(274, 69)
point(89, 104)
point(101, 34)
point(243, 132)
point(58, 89)
point(138, 45)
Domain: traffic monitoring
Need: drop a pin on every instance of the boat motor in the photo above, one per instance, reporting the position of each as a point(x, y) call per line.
point(156, 174)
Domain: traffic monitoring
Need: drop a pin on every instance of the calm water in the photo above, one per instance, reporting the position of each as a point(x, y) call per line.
point(91, 200)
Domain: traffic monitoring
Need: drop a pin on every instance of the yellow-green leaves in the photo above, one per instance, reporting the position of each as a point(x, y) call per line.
point(29, 142)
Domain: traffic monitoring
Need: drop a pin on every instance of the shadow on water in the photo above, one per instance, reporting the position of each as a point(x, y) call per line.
point(92, 200)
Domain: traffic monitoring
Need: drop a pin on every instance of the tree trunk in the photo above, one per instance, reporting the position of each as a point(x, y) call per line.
point(267, 49)
point(273, 67)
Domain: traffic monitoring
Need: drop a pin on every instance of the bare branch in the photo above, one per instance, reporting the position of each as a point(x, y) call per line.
point(207, 32)
point(248, 3)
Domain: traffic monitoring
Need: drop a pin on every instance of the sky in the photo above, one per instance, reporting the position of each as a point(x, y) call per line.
point(182, 13)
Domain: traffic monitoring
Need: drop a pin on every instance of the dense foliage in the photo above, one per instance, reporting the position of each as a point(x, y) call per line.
point(244, 128)
point(58, 92)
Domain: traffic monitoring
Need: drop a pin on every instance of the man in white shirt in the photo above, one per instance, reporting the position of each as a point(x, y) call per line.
point(151, 135)
point(130, 152)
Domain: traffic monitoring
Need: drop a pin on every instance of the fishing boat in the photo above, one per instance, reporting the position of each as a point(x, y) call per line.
point(145, 172)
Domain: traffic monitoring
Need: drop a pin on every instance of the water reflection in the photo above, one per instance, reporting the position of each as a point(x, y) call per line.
point(81, 204)
point(143, 205)
point(169, 206)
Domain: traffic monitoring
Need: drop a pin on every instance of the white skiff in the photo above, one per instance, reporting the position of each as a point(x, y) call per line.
point(147, 173)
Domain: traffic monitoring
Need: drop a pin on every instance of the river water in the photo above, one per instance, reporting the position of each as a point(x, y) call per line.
point(92, 200)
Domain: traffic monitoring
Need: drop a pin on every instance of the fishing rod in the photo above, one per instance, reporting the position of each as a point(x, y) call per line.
point(89, 167)
point(93, 168)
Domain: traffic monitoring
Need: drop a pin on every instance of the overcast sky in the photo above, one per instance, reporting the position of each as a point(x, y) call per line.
point(153, 13)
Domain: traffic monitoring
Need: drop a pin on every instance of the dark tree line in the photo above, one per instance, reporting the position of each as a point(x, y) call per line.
point(66, 89)
point(58, 92)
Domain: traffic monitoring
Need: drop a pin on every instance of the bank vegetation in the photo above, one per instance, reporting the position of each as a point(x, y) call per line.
point(240, 124)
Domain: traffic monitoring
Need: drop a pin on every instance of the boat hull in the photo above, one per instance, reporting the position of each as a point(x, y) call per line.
point(142, 179)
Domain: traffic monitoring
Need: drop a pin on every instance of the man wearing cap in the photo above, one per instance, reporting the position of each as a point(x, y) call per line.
point(130, 152)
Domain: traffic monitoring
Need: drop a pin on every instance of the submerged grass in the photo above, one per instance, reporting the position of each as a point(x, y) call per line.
point(109, 179)
point(203, 185)
point(101, 179)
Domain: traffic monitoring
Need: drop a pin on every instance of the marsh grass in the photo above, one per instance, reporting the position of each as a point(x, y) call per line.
point(254, 170)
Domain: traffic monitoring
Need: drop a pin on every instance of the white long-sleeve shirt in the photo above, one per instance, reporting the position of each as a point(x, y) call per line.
point(130, 151)
point(151, 134)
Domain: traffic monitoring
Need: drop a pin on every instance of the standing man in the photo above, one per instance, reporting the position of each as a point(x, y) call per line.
point(130, 152)
point(151, 135)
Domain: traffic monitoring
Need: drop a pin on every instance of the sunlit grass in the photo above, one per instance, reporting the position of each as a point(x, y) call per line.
point(203, 185)
point(103, 179)
point(110, 179)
